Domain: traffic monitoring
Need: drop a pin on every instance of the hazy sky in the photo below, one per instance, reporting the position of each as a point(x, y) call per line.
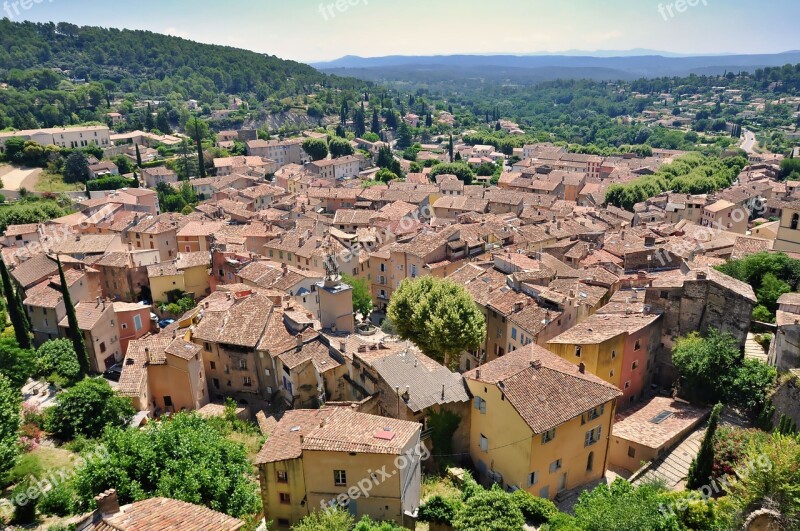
point(311, 30)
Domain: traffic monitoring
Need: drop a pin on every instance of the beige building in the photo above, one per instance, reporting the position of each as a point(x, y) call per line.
point(65, 137)
point(45, 307)
point(315, 459)
point(164, 374)
point(723, 215)
point(156, 232)
point(788, 239)
point(98, 322)
point(343, 168)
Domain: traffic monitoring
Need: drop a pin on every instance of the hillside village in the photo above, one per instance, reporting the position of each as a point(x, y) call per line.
point(244, 297)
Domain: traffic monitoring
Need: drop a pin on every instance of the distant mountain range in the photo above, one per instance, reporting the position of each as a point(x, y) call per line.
point(632, 64)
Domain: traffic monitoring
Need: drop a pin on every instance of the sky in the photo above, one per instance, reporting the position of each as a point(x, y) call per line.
point(320, 30)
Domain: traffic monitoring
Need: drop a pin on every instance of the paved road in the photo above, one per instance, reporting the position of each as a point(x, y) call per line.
point(749, 142)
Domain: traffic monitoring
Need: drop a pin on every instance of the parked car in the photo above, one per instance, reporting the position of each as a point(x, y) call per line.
point(114, 372)
point(163, 323)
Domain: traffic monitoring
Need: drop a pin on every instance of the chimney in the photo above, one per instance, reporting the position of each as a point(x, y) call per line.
point(702, 275)
point(582, 368)
point(536, 364)
point(299, 339)
point(478, 373)
point(442, 391)
point(107, 502)
point(342, 346)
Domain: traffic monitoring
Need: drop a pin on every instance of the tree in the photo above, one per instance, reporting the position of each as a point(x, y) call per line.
point(10, 403)
point(86, 409)
point(459, 169)
point(185, 458)
point(339, 147)
point(76, 168)
point(327, 520)
point(138, 157)
point(702, 467)
point(706, 366)
point(75, 333)
point(386, 160)
point(620, 507)
point(359, 121)
point(376, 124)
point(774, 477)
point(14, 147)
point(16, 363)
point(18, 320)
point(489, 511)
point(362, 300)
point(385, 175)
point(198, 130)
point(439, 316)
point(316, 148)
point(57, 361)
point(770, 291)
point(404, 137)
point(713, 369)
point(162, 122)
point(450, 148)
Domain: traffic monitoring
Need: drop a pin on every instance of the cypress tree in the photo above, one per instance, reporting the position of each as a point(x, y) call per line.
point(201, 165)
point(376, 124)
point(138, 156)
point(74, 331)
point(702, 466)
point(19, 320)
point(450, 148)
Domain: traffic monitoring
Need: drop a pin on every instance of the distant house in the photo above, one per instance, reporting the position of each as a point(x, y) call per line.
point(103, 169)
point(160, 174)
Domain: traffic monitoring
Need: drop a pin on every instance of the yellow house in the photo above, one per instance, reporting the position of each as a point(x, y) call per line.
point(788, 239)
point(336, 457)
point(539, 423)
point(188, 273)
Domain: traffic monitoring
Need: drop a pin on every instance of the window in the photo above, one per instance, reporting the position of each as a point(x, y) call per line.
point(267, 372)
point(795, 220)
point(513, 333)
point(533, 479)
point(124, 326)
point(634, 365)
point(137, 322)
point(590, 462)
point(480, 403)
point(637, 345)
point(664, 295)
point(484, 442)
point(628, 384)
point(383, 268)
point(613, 354)
point(243, 364)
point(216, 383)
point(213, 365)
point(592, 436)
point(102, 346)
point(594, 413)
point(631, 451)
point(577, 352)
point(285, 498)
point(339, 478)
point(283, 476)
point(548, 436)
point(555, 466)
point(246, 381)
point(167, 401)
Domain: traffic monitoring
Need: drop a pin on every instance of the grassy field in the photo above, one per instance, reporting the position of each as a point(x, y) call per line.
point(53, 182)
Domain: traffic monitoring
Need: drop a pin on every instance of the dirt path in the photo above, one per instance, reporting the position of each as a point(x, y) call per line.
point(15, 178)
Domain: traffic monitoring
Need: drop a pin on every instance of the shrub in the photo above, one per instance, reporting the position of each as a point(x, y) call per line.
point(58, 501)
point(438, 510)
point(535, 510)
point(24, 513)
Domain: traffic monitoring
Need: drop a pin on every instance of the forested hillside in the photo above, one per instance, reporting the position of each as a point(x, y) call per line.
point(61, 73)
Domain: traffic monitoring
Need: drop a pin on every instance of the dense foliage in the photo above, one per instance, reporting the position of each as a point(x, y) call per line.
point(770, 274)
point(362, 298)
point(57, 361)
point(10, 401)
point(438, 315)
point(713, 368)
point(87, 409)
point(702, 467)
point(183, 458)
point(690, 174)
